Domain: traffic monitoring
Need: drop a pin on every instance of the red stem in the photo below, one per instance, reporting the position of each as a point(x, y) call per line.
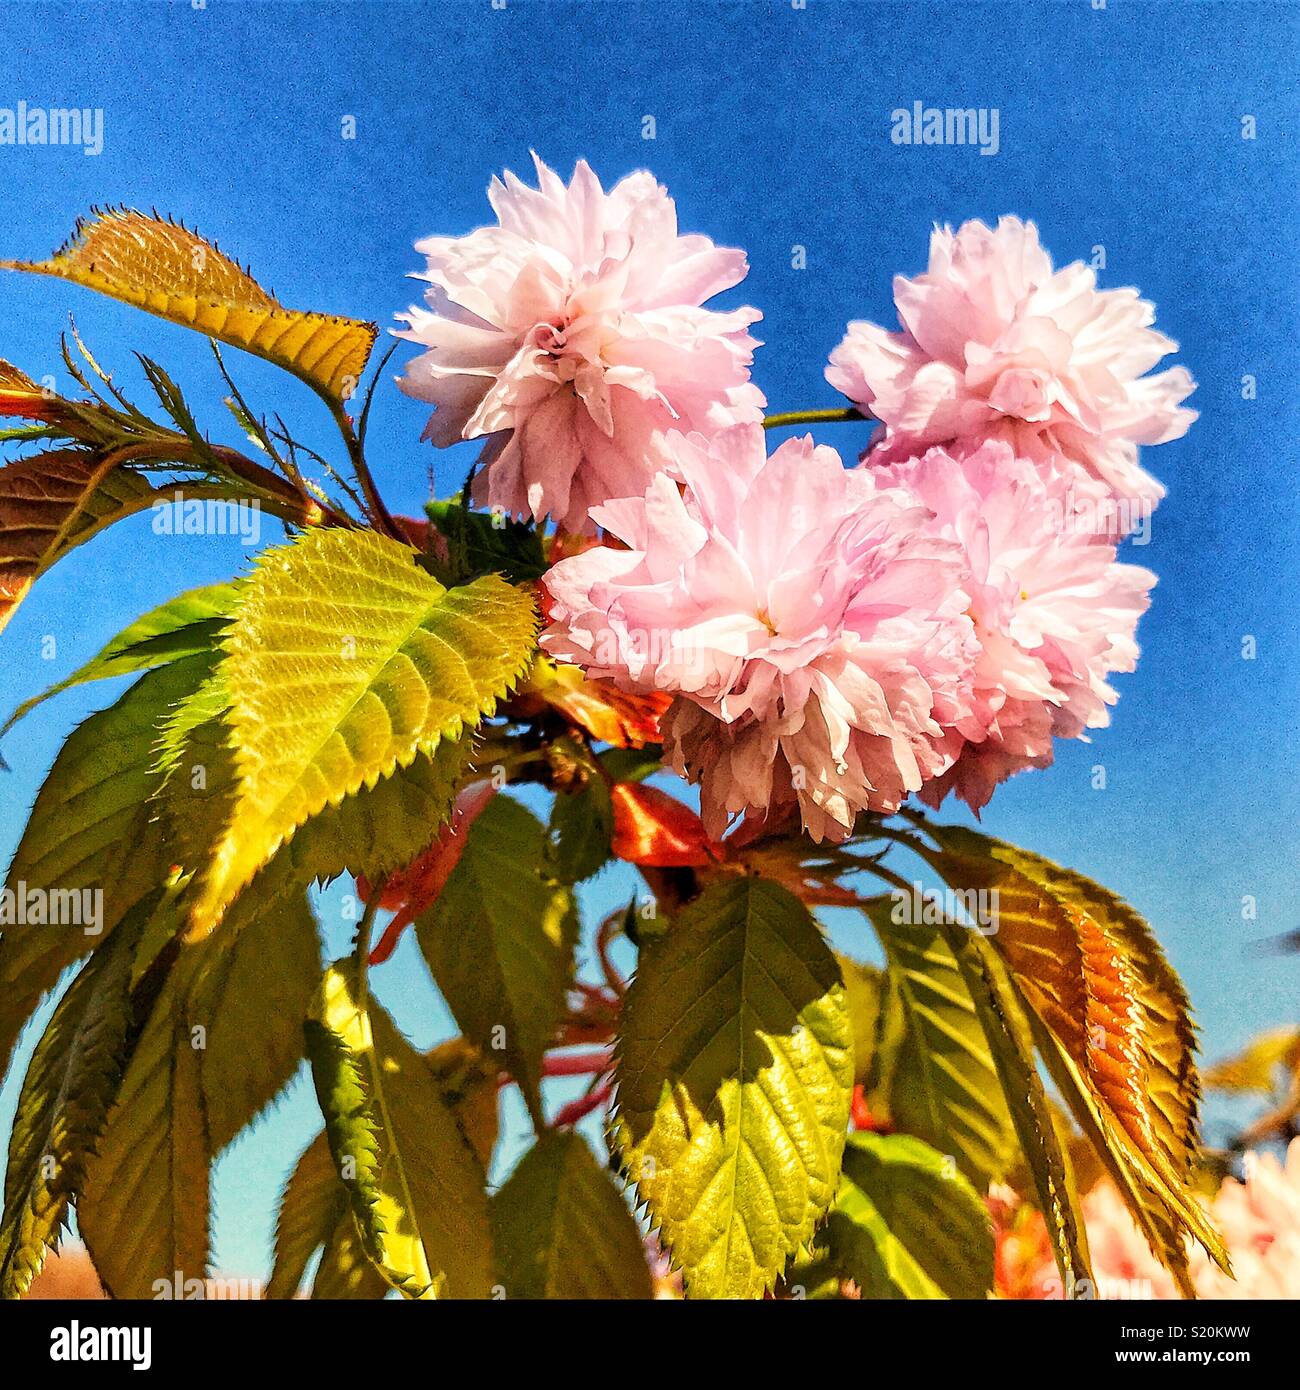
point(580, 1064)
point(582, 1107)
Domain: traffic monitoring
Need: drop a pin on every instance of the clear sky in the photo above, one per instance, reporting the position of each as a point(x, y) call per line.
point(1119, 127)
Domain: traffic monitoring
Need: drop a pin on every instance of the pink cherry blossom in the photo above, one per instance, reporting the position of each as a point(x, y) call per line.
point(1053, 612)
point(1259, 1220)
point(809, 623)
point(571, 334)
point(995, 344)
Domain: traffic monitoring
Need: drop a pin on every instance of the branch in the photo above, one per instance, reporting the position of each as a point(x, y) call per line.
point(814, 417)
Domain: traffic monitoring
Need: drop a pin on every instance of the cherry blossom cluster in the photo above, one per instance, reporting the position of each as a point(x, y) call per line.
point(833, 639)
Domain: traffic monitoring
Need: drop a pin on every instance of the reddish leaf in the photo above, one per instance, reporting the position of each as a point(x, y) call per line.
point(608, 714)
point(409, 891)
point(655, 829)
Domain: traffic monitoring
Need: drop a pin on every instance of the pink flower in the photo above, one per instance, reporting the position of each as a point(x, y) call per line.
point(995, 344)
point(571, 334)
point(1259, 1220)
point(808, 622)
point(1054, 613)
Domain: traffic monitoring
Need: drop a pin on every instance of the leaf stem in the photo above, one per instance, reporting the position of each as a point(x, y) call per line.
point(813, 417)
point(365, 929)
point(379, 513)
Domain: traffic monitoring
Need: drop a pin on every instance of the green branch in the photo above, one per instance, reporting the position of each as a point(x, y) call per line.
point(814, 417)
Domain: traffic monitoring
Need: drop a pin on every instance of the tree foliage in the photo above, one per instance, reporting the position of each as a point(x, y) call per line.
point(368, 700)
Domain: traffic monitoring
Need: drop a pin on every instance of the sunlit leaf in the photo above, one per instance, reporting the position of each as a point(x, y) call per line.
point(416, 1188)
point(90, 832)
point(621, 718)
point(168, 270)
point(864, 992)
point(346, 661)
point(942, 1083)
point(1092, 972)
point(907, 1224)
point(1031, 1112)
point(1254, 1070)
point(735, 1074)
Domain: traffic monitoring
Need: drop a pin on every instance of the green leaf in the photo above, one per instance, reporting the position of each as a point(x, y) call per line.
point(416, 1188)
point(735, 1074)
point(1031, 1112)
point(500, 939)
point(71, 1081)
point(468, 1081)
point(90, 830)
point(484, 543)
point(943, 1084)
point(563, 1230)
point(346, 661)
point(143, 1210)
point(582, 824)
point(865, 994)
point(380, 829)
point(251, 991)
point(312, 1205)
point(908, 1224)
point(187, 625)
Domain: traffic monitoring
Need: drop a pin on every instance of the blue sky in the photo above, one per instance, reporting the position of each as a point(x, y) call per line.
point(1119, 127)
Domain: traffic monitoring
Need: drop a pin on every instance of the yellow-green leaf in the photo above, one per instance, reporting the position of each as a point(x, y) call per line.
point(907, 1223)
point(90, 832)
point(417, 1190)
point(735, 1075)
point(346, 661)
point(499, 942)
point(865, 992)
point(187, 625)
point(562, 1228)
point(170, 271)
point(1031, 1112)
point(1255, 1069)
